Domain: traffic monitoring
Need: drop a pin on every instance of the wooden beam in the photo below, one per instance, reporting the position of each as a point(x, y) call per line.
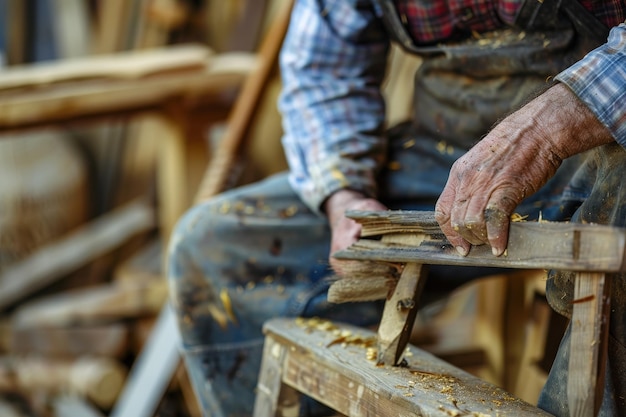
point(98, 379)
point(109, 340)
point(53, 261)
point(588, 343)
point(399, 315)
point(241, 118)
point(121, 66)
point(330, 362)
point(93, 305)
point(532, 245)
point(71, 26)
point(152, 370)
point(72, 406)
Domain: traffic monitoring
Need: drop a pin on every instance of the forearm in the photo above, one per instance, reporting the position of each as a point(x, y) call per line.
point(558, 124)
point(332, 107)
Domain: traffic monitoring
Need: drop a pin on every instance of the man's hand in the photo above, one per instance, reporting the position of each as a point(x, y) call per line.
point(512, 162)
point(346, 231)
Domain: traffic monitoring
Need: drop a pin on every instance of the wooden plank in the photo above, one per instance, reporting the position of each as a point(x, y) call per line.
point(171, 179)
point(109, 340)
point(53, 261)
point(330, 362)
point(242, 115)
point(588, 343)
point(71, 27)
point(399, 315)
point(97, 379)
point(152, 370)
point(156, 20)
point(61, 104)
point(17, 36)
point(113, 25)
point(93, 305)
point(73, 406)
point(532, 245)
point(121, 65)
point(273, 397)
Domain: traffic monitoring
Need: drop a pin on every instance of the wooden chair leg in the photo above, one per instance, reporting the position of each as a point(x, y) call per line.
point(588, 344)
point(274, 398)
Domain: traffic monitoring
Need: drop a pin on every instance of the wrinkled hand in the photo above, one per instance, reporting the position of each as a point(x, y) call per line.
point(512, 162)
point(346, 231)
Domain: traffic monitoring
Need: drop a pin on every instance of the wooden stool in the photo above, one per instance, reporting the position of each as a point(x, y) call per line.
point(333, 363)
point(326, 368)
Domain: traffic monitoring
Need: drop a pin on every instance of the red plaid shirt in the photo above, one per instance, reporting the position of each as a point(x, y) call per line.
point(431, 21)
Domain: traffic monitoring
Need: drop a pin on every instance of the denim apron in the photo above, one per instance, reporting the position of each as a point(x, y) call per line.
point(258, 252)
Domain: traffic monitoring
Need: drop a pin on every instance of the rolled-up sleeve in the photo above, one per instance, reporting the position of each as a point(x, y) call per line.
point(332, 66)
point(599, 80)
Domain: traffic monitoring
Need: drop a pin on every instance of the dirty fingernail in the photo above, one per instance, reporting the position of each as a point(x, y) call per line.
point(461, 250)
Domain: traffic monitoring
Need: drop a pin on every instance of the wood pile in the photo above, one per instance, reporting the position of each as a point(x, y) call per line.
point(79, 308)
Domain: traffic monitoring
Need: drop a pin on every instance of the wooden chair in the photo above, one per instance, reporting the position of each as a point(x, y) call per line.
point(335, 364)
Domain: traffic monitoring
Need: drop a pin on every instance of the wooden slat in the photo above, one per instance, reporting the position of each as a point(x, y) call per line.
point(273, 397)
point(152, 370)
point(110, 340)
point(122, 65)
point(53, 261)
point(113, 24)
point(72, 406)
point(95, 304)
point(588, 344)
point(241, 118)
point(71, 25)
point(532, 245)
point(106, 99)
point(399, 315)
point(331, 364)
point(17, 36)
point(98, 379)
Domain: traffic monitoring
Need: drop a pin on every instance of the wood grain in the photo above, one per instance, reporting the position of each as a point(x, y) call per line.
point(532, 245)
point(340, 375)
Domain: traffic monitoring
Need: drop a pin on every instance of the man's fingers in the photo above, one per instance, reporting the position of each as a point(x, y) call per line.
point(468, 221)
point(498, 217)
point(443, 218)
point(477, 220)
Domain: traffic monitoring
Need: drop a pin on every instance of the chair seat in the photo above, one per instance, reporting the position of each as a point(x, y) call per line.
point(335, 364)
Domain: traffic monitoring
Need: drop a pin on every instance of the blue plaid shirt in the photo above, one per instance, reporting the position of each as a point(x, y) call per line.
point(333, 64)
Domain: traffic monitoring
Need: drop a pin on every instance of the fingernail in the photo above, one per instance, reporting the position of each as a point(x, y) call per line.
point(461, 250)
point(495, 252)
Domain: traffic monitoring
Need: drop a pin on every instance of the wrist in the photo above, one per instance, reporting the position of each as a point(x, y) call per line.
point(340, 199)
point(569, 124)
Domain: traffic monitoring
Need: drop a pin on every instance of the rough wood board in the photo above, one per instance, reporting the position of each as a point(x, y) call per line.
point(111, 340)
point(121, 65)
point(588, 344)
point(104, 98)
point(72, 406)
point(532, 245)
point(51, 262)
point(96, 304)
point(98, 379)
point(242, 115)
point(399, 315)
point(152, 370)
point(273, 397)
point(322, 364)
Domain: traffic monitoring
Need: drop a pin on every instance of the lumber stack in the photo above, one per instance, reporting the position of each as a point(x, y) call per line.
point(78, 309)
